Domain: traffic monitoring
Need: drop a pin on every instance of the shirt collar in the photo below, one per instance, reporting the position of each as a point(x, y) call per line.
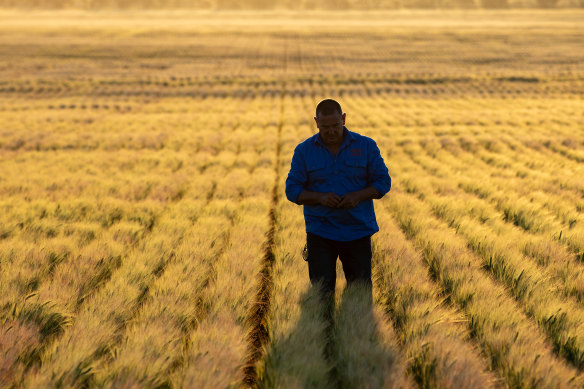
point(348, 137)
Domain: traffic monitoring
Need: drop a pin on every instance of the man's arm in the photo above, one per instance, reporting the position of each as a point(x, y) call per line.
point(377, 173)
point(297, 177)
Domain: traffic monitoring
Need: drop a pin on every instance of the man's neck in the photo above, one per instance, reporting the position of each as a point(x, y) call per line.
point(334, 147)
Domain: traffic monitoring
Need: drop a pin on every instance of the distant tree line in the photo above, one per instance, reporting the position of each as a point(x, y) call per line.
point(290, 4)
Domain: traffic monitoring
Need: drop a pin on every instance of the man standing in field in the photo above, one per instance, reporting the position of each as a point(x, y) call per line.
point(336, 174)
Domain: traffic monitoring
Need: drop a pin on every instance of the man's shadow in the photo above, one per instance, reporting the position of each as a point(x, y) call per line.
point(364, 347)
point(297, 359)
point(335, 345)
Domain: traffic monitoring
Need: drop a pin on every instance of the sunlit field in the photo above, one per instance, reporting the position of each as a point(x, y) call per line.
point(146, 241)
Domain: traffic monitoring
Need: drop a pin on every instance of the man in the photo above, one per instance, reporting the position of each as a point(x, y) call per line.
point(336, 174)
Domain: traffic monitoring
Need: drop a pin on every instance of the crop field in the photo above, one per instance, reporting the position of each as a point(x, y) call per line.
point(146, 241)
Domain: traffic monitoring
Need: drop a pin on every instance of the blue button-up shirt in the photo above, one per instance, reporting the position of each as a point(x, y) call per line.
point(357, 165)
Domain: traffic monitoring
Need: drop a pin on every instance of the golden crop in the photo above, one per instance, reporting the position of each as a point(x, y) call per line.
point(145, 239)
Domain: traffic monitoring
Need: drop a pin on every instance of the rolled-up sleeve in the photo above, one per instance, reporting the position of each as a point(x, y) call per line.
point(297, 177)
point(377, 173)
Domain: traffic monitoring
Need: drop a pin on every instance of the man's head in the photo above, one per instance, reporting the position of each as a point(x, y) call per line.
point(330, 121)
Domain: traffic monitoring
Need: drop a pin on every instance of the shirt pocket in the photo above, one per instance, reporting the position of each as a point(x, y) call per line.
point(356, 168)
point(316, 171)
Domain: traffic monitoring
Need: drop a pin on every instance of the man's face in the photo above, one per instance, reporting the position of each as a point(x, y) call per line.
point(331, 128)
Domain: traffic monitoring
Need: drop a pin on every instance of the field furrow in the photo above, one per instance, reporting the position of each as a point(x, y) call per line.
point(259, 333)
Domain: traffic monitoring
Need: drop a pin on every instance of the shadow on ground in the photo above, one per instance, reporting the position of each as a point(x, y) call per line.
point(335, 347)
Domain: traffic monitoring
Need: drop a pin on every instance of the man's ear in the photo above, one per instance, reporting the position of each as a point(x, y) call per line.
point(316, 121)
point(344, 116)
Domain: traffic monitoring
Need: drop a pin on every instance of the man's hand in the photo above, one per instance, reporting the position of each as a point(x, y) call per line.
point(330, 199)
point(350, 200)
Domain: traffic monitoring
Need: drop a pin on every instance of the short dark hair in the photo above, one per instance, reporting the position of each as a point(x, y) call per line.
point(328, 107)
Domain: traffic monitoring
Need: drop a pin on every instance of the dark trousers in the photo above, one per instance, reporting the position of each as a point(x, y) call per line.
point(355, 256)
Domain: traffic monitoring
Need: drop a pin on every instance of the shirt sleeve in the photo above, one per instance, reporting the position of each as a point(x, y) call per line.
point(377, 173)
point(297, 177)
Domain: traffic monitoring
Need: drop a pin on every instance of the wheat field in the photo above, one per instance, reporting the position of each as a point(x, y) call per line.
point(146, 241)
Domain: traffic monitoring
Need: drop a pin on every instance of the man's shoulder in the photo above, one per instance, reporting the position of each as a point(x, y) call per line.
point(361, 138)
